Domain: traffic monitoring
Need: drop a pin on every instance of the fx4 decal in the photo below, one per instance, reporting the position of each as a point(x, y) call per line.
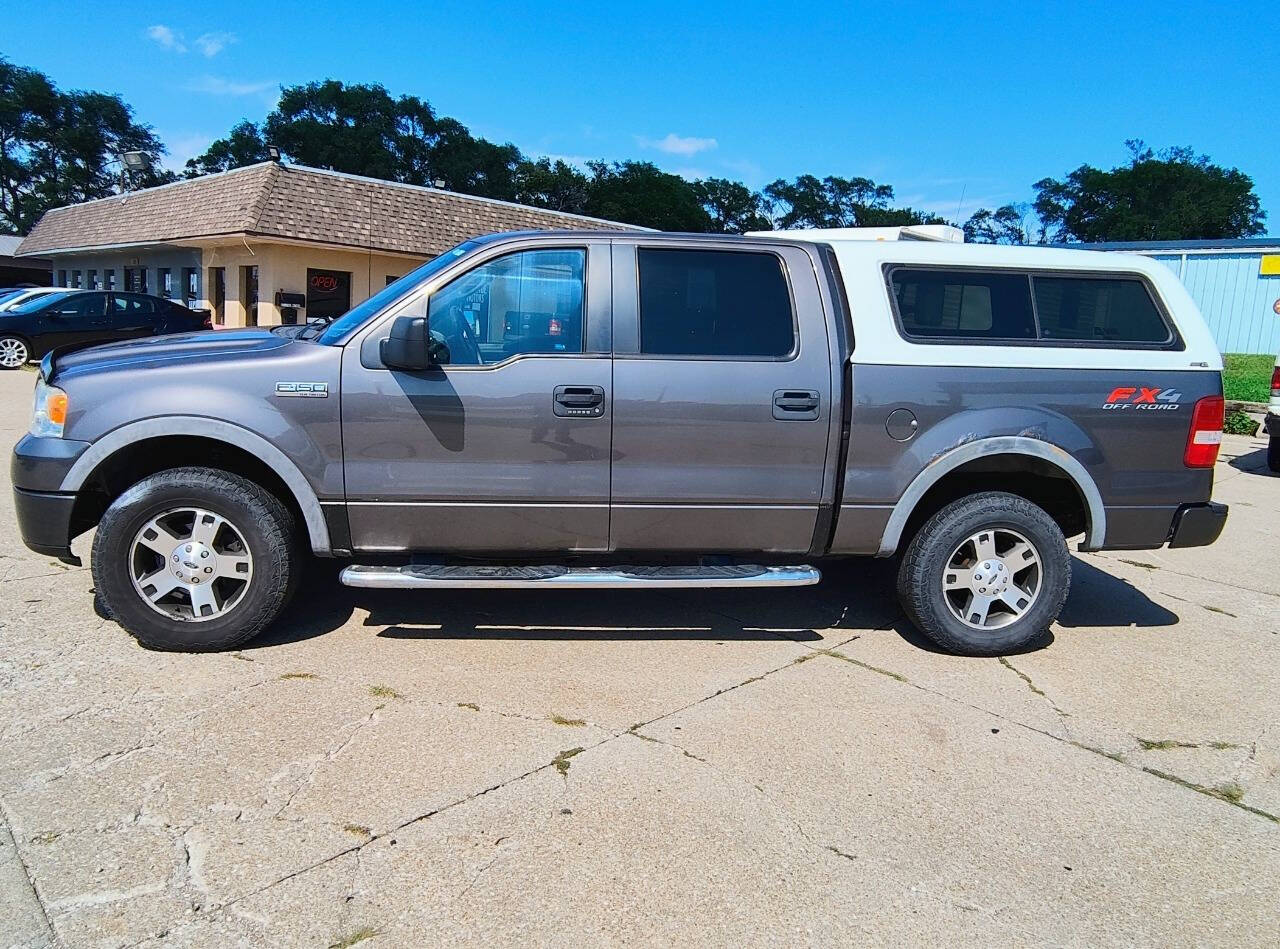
point(1143, 398)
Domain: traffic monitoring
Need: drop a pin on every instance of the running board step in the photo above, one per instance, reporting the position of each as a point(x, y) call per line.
point(417, 576)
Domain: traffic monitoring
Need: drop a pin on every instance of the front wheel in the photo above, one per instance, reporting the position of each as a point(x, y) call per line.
point(986, 575)
point(13, 352)
point(1273, 453)
point(194, 559)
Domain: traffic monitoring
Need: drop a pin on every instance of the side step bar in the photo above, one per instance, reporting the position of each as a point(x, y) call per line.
point(417, 576)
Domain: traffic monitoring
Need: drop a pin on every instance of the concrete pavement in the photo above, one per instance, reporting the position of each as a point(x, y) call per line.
point(791, 767)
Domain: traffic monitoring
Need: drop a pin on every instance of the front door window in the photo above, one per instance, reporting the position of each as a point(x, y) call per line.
point(524, 303)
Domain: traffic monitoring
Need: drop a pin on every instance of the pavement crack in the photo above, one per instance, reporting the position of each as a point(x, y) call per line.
point(6, 828)
point(1036, 690)
point(1228, 794)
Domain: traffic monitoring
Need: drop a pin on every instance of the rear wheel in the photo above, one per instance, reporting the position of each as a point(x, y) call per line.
point(13, 352)
point(195, 559)
point(986, 575)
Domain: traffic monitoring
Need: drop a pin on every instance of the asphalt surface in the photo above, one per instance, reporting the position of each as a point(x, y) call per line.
point(714, 768)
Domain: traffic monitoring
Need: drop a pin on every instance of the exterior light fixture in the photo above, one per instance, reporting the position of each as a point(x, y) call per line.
point(439, 183)
point(273, 152)
point(136, 161)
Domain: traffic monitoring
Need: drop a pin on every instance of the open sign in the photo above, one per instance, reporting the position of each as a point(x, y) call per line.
point(324, 282)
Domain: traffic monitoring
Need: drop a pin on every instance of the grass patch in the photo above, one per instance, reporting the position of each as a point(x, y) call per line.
point(471, 705)
point(571, 722)
point(561, 761)
point(359, 830)
point(1247, 378)
point(1218, 609)
point(1164, 744)
point(1140, 563)
point(358, 935)
point(45, 837)
point(299, 675)
point(384, 692)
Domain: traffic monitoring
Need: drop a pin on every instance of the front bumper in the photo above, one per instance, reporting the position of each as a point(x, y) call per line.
point(38, 468)
point(44, 519)
point(1198, 525)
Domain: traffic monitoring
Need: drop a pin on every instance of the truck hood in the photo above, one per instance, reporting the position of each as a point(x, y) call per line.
point(208, 345)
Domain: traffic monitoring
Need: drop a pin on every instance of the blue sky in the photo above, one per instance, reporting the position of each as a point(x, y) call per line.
point(955, 105)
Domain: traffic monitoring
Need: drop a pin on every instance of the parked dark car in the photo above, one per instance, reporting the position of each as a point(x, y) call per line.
point(80, 317)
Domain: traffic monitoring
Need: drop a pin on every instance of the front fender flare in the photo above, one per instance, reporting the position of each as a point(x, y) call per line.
point(194, 425)
point(1001, 445)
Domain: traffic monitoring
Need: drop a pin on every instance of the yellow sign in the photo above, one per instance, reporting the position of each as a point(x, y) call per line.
point(1270, 266)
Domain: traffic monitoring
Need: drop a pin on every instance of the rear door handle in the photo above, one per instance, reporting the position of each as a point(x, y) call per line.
point(796, 405)
point(578, 401)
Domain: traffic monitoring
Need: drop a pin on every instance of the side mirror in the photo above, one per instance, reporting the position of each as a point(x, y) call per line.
point(406, 347)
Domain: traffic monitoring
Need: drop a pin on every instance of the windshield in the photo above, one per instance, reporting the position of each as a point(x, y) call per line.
point(356, 317)
point(6, 295)
point(38, 301)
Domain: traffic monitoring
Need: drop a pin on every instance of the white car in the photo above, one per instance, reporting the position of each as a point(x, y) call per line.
point(1272, 424)
point(20, 295)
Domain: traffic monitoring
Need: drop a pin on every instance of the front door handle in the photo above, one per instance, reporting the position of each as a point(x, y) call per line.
point(796, 405)
point(578, 401)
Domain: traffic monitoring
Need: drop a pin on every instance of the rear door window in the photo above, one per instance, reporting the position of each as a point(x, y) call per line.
point(1090, 309)
point(963, 304)
point(714, 303)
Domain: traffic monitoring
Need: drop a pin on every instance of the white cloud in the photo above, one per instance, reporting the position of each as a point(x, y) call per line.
point(674, 144)
point(211, 44)
point(167, 37)
point(217, 86)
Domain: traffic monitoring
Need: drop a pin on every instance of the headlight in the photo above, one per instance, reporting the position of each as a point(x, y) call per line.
point(50, 412)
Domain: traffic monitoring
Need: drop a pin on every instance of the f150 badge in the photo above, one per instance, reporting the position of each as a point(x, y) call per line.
point(1142, 398)
point(303, 390)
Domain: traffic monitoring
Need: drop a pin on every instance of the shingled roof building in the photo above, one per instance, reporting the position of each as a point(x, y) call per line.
point(245, 244)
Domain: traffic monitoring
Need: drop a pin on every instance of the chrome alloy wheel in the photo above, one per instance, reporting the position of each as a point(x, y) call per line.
point(13, 353)
point(190, 564)
point(992, 578)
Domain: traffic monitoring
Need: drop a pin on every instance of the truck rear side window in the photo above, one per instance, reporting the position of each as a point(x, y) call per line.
point(965, 304)
point(714, 303)
point(1098, 310)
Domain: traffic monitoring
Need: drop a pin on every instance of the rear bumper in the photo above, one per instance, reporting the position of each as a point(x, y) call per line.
point(1198, 525)
point(44, 520)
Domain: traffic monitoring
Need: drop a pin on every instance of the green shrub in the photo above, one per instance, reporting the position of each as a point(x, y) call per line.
point(1247, 378)
point(1239, 423)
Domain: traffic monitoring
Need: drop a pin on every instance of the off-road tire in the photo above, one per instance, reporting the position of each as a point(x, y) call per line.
point(1273, 453)
point(10, 341)
point(920, 576)
point(267, 527)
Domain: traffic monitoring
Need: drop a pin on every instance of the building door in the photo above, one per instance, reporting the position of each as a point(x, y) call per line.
point(328, 293)
point(504, 444)
point(722, 397)
point(218, 293)
point(249, 294)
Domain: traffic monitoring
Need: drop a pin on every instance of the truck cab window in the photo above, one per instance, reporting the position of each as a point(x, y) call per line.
point(714, 303)
point(524, 303)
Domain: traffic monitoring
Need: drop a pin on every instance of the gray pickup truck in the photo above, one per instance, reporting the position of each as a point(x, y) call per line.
point(596, 410)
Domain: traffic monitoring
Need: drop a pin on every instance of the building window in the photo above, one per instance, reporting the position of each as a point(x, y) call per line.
point(164, 282)
point(190, 286)
point(109, 279)
point(62, 279)
point(91, 280)
point(391, 278)
point(135, 279)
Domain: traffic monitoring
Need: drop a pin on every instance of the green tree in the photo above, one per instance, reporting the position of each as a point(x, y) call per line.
point(1173, 194)
point(557, 185)
point(637, 192)
point(732, 206)
point(243, 146)
point(838, 202)
point(59, 148)
point(1007, 224)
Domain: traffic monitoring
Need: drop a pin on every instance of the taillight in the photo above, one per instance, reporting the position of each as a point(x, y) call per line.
point(1205, 436)
point(553, 327)
point(1275, 382)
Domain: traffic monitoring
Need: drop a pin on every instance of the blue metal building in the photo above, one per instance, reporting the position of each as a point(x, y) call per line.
point(1236, 284)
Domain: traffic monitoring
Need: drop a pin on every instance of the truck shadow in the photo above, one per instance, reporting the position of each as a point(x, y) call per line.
point(855, 595)
point(1254, 462)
